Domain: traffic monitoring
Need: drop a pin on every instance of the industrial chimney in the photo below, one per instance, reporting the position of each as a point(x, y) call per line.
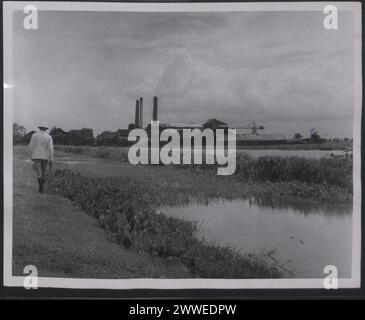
point(141, 112)
point(136, 121)
point(155, 106)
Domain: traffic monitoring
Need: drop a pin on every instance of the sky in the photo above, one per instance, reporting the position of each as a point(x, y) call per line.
point(280, 69)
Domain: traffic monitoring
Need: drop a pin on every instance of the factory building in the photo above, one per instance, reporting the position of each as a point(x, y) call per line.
point(120, 137)
point(81, 137)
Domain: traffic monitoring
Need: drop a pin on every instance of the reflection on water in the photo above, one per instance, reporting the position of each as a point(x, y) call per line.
point(64, 161)
point(308, 235)
point(256, 153)
point(300, 205)
point(310, 154)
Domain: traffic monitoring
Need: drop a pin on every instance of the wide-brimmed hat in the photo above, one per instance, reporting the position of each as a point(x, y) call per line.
point(43, 125)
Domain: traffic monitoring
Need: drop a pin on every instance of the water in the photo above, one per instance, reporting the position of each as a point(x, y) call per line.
point(64, 161)
point(310, 154)
point(255, 153)
point(308, 236)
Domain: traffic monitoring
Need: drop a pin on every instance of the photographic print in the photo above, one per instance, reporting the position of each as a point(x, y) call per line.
point(182, 145)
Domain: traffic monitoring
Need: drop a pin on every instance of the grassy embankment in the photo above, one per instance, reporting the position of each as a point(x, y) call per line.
point(324, 179)
point(62, 241)
point(125, 208)
point(127, 197)
point(328, 145)
point(126, 204)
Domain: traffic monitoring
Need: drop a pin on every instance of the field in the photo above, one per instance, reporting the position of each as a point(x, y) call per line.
point(324, 179)
point(47, 234)
point(327, 145)
point(126, 202)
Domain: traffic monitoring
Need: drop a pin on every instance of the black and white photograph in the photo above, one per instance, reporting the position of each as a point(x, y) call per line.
point(182, 145)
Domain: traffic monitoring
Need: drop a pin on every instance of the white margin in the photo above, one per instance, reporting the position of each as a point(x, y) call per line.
point(17, 281)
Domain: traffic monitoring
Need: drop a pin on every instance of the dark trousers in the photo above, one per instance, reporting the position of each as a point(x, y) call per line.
point(40, 166)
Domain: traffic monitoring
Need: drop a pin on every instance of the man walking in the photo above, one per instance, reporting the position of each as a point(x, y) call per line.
point(41, 146)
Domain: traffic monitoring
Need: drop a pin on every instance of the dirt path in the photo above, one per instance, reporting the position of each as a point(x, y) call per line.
point(61, 240)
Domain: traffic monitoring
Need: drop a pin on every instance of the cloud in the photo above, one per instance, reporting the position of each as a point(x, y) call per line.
point(81, 67)
point(194, 89)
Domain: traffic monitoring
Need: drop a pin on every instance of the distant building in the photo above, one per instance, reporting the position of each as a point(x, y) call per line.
point(106, 138)
point(119, 137)
point(215, 124)
point(122, 136)
point(260, 139)
point(59, 136)
point(87, 132)
point(81, 137)
point(211, 124)
point(180, 125)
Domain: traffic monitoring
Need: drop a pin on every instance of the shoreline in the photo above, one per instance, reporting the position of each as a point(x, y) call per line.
point(46, 234)
point(138, 191)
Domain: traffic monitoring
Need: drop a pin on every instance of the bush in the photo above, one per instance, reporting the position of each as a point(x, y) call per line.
point(103, 153)
point(334, 171)
point(125, 214)
point(325, 171)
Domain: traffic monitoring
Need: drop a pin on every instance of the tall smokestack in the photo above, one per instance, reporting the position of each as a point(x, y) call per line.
point(141, 112)
point(155, 106)
point(136, 121)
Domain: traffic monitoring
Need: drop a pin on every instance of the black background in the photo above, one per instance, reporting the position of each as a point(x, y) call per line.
point(171, 296)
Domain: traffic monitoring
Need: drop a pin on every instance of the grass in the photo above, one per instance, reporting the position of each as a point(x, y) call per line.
point(118, 206)
point(47, 234)
point(312, 180)
point(58, 248)
point(111, 153)
point(325, 180)
point(345, 145)
point(328, 145)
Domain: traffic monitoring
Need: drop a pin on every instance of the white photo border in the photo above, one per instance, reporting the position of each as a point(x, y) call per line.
point(53, 282)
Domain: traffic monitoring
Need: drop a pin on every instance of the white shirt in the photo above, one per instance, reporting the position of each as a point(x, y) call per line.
point(41, 146)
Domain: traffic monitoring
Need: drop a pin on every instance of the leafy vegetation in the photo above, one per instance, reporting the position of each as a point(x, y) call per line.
point(335, 171)
point(328, 179)
point(111, 153)
point(324, 179)
point(130, 219)
point(334, 144)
